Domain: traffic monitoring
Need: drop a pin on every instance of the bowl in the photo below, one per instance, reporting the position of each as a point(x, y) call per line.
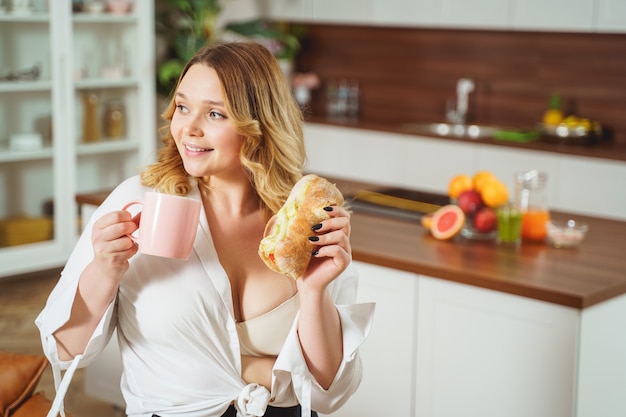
point(119, 6)
point(566, 233)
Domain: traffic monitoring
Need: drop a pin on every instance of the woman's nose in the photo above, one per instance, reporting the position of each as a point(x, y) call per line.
point(192, 129)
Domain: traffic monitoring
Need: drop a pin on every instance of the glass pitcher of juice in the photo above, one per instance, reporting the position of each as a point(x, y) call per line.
point(532, 199)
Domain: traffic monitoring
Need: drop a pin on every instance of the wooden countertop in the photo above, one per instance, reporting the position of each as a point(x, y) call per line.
point(579, 278)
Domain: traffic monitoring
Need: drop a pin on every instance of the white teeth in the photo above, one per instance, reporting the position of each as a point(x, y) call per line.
point(194, 149)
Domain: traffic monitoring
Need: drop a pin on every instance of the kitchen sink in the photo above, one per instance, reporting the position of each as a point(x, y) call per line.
point(467, 131)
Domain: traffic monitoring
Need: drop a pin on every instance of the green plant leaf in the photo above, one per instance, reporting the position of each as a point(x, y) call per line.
point(170, 70)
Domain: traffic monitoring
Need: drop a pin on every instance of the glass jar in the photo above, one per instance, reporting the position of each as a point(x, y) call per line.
point(531, 196)
point(91, 127)
point(114, 119)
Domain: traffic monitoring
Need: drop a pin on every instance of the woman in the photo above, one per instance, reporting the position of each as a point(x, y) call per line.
point(218, 334)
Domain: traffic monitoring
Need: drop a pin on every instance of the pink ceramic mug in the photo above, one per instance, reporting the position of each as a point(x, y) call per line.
point(168, 225)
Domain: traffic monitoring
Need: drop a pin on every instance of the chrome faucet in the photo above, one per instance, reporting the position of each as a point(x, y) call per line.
point(458, 114)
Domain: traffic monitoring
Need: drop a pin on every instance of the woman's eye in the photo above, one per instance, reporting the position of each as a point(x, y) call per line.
point(216, 115)
point(181, 108)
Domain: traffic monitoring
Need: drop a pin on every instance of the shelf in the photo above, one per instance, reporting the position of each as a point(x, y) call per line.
point(35, 17)
point(121, 145)
point(104, 18)
point(99, 83)
point(113, 146)
point(25, 86)
point(7, 155)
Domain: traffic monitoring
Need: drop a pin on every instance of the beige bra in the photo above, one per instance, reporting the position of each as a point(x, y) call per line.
point(265, 335)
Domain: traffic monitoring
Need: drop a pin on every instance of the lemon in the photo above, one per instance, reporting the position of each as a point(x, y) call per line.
point(553, 116)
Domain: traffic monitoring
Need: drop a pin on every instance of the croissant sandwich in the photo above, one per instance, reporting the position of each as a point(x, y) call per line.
point(285, 247)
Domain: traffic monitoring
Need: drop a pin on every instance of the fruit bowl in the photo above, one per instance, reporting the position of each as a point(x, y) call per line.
point(469, 231)
point(565, 233)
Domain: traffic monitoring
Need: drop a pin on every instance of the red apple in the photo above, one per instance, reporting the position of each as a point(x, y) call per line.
point(469, 201)
point(485, 220)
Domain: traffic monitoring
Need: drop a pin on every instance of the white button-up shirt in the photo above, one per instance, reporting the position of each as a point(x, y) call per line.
point(178, 339)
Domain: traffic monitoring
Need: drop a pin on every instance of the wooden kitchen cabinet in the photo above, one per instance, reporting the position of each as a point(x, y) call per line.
point(387, 353)
point(77, 54)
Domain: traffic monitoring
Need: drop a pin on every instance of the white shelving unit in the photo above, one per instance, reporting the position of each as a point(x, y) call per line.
point(109, 55)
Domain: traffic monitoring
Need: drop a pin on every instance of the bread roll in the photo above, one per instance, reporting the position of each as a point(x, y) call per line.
point(285, 247)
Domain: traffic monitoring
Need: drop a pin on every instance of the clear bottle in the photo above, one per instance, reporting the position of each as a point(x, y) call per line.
point(114, 120)
point(531, 196)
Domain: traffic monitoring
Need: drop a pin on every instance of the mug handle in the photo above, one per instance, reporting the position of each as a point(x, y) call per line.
point(125, 208)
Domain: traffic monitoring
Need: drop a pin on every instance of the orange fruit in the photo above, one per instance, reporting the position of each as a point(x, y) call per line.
point(481, 177)
point(458, 184)
point(494, 193)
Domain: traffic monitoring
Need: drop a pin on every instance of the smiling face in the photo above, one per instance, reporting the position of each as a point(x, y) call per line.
point(205, 136)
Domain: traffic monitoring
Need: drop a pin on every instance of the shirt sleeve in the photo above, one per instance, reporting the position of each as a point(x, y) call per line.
point(356, 321)
point(59, 304)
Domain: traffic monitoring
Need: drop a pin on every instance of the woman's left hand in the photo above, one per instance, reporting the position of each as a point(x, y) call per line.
point(333, 252)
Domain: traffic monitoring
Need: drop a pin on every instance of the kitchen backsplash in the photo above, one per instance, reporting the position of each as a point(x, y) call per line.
point(408, 74)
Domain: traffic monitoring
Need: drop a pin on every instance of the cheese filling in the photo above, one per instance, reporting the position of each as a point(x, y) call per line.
point(279, 229)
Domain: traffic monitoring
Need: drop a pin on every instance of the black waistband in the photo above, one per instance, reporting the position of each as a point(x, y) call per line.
point(294, 411)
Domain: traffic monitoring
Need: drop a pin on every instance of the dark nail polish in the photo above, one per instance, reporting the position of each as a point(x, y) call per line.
point(315, 252)
point(328, 208)
point(314, 238)
point(317, 227)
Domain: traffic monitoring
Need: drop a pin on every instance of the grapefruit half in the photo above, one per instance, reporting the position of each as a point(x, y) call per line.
point(447, 222)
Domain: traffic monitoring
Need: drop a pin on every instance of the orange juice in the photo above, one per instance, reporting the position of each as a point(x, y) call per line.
point(534, 224)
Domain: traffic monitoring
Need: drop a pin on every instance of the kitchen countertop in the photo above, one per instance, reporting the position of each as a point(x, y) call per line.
point(608, 150)
point(579, 278)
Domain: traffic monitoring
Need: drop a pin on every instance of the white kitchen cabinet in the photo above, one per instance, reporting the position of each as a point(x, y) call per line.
point(611, 15)
point(493, 14)
point(295, 10)
point(602, 363)
point(77, 53)
point(537, 15)
point(387, 353)
point(406, 12)
point(482, 353)
point(561, 15)
point(345, 11)
point(355, 154)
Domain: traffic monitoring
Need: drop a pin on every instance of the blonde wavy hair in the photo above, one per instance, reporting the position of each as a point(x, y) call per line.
point(259, 101)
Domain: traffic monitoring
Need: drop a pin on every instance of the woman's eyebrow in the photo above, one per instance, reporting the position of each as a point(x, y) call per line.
point(211, 102)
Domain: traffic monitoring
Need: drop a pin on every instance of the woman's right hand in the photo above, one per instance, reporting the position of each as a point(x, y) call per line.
point(111, 245)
